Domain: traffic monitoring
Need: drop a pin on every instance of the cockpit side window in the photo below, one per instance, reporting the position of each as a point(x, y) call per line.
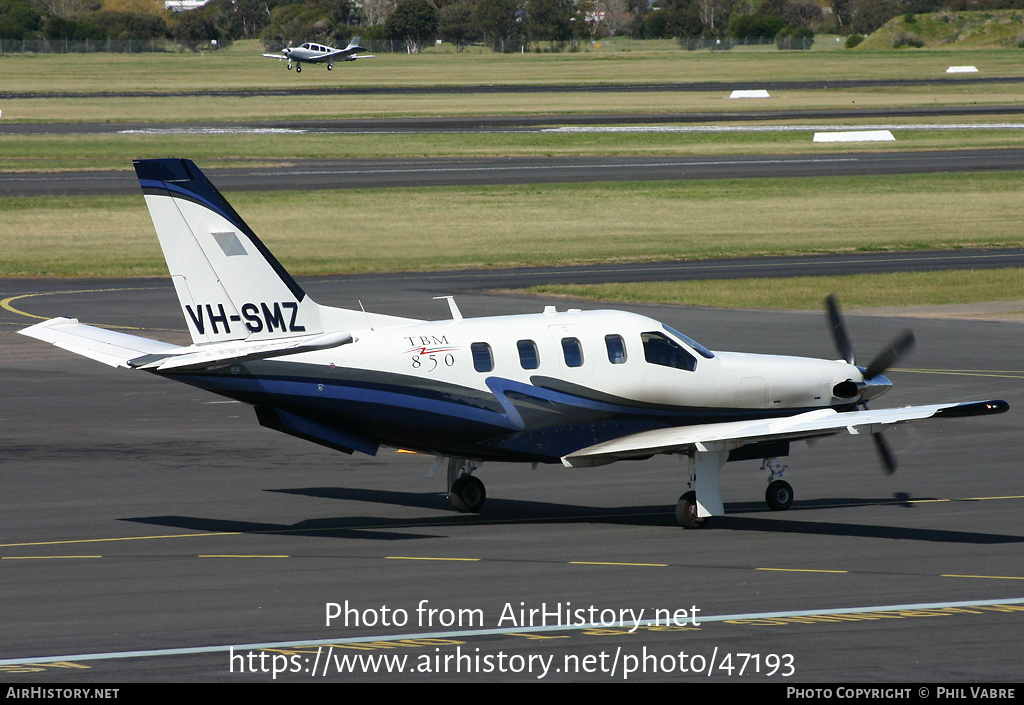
point(616, 349)
point(659, 349)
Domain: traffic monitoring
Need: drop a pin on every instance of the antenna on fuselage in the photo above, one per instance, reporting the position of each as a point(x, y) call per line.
point(454, 307)
point(365, 314)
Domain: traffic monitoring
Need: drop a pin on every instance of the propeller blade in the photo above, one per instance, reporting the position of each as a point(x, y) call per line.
point(886, 456)
point(835, 319)
point(903, 342)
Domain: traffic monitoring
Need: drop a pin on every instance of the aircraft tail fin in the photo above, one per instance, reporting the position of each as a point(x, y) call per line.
point(229, 284)
point(354, 45)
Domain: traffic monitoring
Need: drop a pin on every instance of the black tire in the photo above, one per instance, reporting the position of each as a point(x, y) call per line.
point(686, 512)
point(779, 495)
point(468, 494)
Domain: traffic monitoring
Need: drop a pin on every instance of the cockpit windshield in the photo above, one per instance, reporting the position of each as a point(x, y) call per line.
point(697, 347)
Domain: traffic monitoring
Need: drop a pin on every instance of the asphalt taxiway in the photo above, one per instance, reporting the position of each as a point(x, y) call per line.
point(153, 532)
point(381, 173)
point(149, 529)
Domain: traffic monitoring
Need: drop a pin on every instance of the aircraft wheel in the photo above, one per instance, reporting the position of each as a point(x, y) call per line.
point(686, 512)
point(468, 494)
point(330, 67)
point(779, 495)
point(298, 69)
point(289, 67)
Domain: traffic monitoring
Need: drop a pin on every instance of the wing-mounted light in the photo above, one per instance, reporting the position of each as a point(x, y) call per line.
point(873, 383)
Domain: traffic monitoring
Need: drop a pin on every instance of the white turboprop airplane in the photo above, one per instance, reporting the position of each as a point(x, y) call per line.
point(583, 388)
point(313, 53)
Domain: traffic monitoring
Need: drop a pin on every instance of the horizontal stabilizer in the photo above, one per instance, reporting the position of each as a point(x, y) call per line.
point(106, 346)
point(218, 355)
point(733, 434)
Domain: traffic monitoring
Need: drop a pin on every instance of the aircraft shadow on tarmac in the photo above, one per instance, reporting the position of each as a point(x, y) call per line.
point(501, 511)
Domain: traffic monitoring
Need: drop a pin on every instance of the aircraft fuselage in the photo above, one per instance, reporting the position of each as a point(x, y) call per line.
point(530, 387)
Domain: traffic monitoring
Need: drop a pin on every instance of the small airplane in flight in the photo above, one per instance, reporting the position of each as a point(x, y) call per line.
point(581, 388)
point(313, 53)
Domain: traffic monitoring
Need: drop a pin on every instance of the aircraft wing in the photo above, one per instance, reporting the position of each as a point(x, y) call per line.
point(348, 52)
point(124, 350)
point(733, 434)
point(275, 56)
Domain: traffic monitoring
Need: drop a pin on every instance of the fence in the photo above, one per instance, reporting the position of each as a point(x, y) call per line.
point(380, 46)
point(86, 46)
point(694, 43)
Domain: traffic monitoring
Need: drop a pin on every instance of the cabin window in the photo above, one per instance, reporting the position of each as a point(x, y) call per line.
point(572, 351)
point(482, 359)
point(659, 349)
point(529, 358)
point(616, 349)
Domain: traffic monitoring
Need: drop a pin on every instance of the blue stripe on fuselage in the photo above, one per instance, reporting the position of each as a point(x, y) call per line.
point(535, 422)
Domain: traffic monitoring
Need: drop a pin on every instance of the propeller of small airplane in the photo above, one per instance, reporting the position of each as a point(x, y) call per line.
point(882, 362)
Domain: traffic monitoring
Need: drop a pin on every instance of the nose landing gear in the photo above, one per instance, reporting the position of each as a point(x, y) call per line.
point(779, 494)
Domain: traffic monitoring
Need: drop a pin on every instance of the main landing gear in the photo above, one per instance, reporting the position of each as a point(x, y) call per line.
point(466, 493)
point(686, 512)
point(779, 494)
point(704, 466)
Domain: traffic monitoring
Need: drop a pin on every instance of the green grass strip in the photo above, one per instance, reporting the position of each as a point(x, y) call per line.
point(807, 293)
point(321, 232)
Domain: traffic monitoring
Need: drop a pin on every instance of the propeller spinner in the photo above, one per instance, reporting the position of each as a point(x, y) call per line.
point(874, 383)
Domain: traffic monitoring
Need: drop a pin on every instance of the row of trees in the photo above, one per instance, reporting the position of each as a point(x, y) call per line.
point(104, 20)
point(510, 24)
point(501, 24)
point(505, 24)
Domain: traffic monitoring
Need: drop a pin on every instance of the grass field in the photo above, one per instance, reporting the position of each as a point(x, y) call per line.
point(320, 232)
point(242, 68)
point(501, 226)
point(92, 77)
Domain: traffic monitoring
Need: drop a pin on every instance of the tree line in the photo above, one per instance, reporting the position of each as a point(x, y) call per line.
point(503, 25)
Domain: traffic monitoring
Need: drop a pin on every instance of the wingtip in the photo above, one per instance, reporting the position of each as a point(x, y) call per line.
point(974, 408)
